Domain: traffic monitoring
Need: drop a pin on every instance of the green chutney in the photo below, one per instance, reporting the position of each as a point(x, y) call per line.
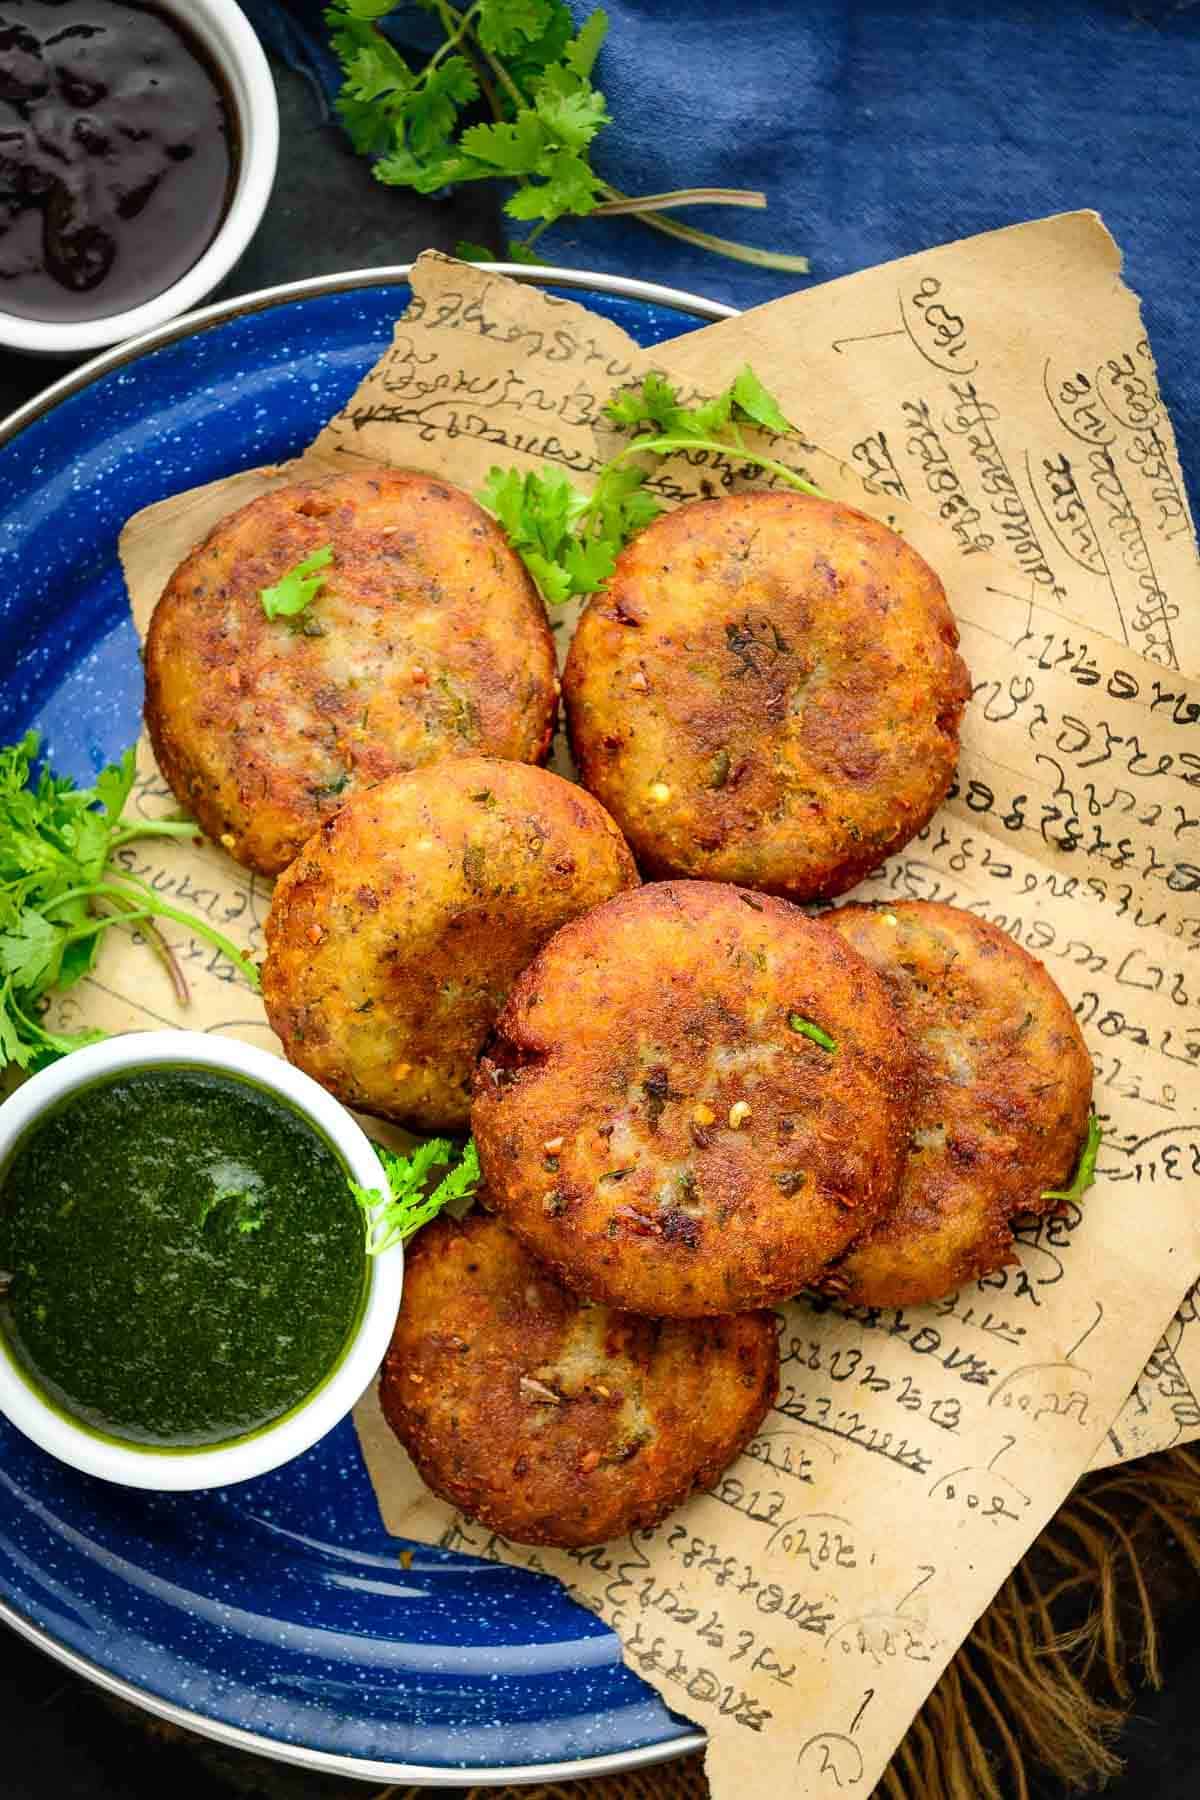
point(188, 1261)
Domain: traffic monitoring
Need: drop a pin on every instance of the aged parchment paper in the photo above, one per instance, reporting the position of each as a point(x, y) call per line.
point(1006, 385)
point(801, 1612)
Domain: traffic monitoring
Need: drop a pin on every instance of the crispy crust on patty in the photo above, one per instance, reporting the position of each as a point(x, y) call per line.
point(428, 640)
point(1002, 1087)
point(555, 1422)
point(393, 938)
point(657, 1130)
point(767, 691)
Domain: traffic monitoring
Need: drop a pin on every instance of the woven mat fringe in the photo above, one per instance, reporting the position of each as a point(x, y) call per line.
point(1044, 1682)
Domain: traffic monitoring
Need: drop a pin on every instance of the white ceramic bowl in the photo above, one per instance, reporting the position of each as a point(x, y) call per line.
point(227, 35)
point(129, 1464)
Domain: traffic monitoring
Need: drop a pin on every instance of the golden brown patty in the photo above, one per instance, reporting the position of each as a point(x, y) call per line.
point(393, 938)
point(655, 1124)
point(767, 691)
point(555, 1422)
point(1003, 1082)
point(428, 640)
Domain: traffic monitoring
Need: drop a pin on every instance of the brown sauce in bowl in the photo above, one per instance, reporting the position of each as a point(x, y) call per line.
point(117, 156)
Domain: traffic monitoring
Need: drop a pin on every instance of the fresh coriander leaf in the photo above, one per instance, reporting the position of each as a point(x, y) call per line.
point(637, 511)
point(753, 400)
point(807, 1029)
point(31, 951)
point(588, 563)
point(510, 149)
point(301, 584)
point(462, 1180)
point(408, 1204)
point(655, 406)
point(652, 407)
point(115, 784)
point(400, 168)
point(552, 578)
point(528, 62)
point(1085, 1169)
point(367, 9)
point(581, 53)
point(434, 104)
point(619, 506)
point(505, 26)
point(521, 253)
point(56, 845)
point(376, 70)
point(469, 252)
point(571, 114)
point(503, 493)
point(538, 512)
point(712, 417)
point(376, 79)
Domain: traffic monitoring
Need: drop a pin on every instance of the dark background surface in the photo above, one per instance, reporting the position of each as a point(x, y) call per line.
point(59, 1739)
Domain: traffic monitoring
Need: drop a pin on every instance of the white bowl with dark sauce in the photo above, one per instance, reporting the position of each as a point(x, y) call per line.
point(138, 146)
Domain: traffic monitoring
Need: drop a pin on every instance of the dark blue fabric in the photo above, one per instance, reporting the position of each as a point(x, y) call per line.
point(879, 127)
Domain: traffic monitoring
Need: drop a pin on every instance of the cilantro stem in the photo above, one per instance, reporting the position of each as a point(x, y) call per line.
point(503, 77)
point(57, 1040)
point(455, 33)
point(666, 446)
point(705, 240)
point(753, 198)
point(144, 828)
point(102, 890)
point(160, 947)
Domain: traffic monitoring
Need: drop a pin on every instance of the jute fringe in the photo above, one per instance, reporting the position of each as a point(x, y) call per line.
point(1045, 1680)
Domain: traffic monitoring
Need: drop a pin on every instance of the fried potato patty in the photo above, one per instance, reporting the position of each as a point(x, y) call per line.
point(1002, 1087)
point(767, 691)
point(393, 938)
point(655, 1118)
point(427, 640)
point(552, 1421)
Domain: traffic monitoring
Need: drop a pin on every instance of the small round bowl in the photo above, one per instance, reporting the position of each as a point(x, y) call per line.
point(132, 1465)
point(225, 32)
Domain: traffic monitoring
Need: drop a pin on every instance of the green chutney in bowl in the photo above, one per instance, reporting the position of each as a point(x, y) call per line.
point(186, 1294)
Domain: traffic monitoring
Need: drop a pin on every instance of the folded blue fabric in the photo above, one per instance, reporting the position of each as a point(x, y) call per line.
point(879, 127)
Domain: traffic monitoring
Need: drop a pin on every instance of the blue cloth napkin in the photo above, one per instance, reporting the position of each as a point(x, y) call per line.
point(880, 127)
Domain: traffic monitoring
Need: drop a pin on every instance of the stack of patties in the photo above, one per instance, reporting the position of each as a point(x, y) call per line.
point(698, 1101)
point(691, 1100)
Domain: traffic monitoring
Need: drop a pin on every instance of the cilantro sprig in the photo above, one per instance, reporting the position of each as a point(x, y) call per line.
point(568, 540)
point(1085, 1168)
point(525, 63)
point(59, 894)
point(300, 584)
point(392, 1218)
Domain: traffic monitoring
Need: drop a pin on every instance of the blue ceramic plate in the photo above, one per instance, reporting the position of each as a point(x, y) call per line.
point(278, 1615)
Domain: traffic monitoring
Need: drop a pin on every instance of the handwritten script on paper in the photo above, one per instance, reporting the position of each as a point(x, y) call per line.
point(977, 382)
point(785, 1612)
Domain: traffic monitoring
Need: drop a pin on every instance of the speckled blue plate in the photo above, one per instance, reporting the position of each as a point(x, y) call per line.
point(278, 1615)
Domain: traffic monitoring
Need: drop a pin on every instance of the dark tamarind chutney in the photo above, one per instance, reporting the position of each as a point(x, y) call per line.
point(117, 156)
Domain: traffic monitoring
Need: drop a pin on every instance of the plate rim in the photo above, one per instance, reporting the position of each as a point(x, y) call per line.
point(203, 318)
point(192, 324)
